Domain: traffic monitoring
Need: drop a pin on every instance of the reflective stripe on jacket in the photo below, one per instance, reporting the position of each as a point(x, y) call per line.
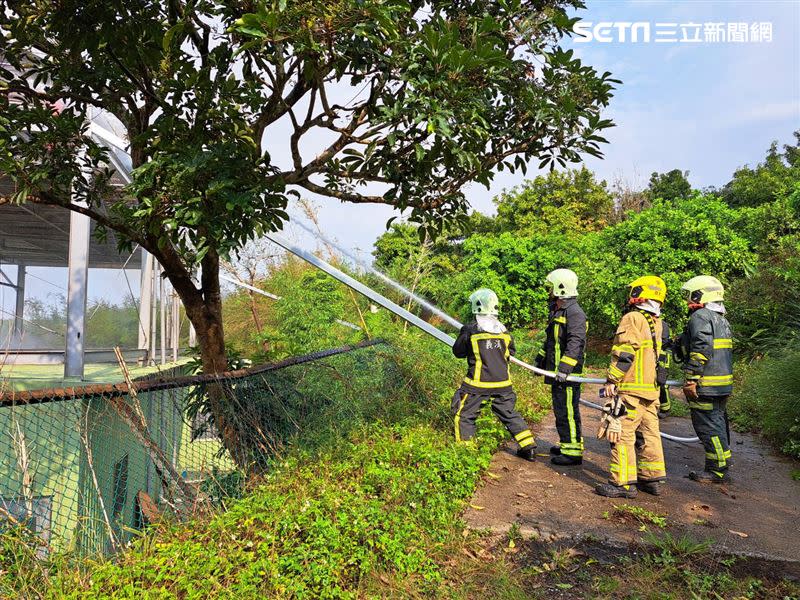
point(565, 341)
point(633, 358)
point(487, 357)
point(707, 348)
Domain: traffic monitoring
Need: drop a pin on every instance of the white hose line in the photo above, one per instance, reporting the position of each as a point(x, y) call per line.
point(414, 319)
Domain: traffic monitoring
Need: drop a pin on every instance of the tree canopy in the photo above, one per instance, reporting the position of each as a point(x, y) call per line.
point(776, 177)
point(230, 108)
point(394, 102)
point(752, 249)
point(560, 201)
point(670, 186)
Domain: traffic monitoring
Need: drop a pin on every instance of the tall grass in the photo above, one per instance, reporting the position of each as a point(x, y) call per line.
point(767, 399)
point(367, 497)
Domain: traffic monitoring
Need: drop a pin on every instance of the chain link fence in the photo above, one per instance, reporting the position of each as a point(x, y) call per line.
point(87, 468)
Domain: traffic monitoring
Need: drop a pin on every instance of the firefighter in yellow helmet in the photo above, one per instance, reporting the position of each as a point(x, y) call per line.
point(632, 387)
point(706, 349)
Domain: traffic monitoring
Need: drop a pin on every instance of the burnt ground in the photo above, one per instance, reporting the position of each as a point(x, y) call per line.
point(758, 515)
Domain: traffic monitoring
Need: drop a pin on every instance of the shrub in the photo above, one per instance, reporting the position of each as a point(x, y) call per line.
point(372, 485)
point(767, 399)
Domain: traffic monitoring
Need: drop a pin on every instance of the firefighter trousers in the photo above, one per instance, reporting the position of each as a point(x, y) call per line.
point(466, 407)
point(645, 463)
point(710, 423)
point(566, 405)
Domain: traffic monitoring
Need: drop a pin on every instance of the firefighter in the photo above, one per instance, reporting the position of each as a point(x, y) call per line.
point(665, 359)
point(487, 346)
point(664, 398)
point(706, 349)
point(563, 352)
point(632, 387)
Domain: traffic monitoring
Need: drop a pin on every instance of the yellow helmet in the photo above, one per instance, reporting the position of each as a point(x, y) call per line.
point(648, 287)
point(703, 289)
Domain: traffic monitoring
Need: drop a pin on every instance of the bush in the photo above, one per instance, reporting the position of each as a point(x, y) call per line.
point(676, 241)
point(371, 487)
point(767, 400)
point(765, 307)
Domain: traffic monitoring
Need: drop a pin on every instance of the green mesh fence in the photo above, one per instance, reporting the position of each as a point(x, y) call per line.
point(87, 468)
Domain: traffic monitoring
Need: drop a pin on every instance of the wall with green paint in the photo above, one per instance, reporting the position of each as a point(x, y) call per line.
point(75, 449)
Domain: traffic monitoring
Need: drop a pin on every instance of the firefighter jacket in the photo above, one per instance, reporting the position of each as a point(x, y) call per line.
point(665, 357)
point(487, 357)
point(706, 348)
point(633, 357)
point(565, 340)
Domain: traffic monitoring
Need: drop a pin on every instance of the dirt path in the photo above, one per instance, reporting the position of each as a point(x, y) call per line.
point(550, 502)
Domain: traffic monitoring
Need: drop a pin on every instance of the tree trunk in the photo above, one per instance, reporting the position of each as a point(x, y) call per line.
point(204, 310)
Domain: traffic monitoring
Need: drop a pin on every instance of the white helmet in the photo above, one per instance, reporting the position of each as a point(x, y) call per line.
point(484, 302)
point(564, 282)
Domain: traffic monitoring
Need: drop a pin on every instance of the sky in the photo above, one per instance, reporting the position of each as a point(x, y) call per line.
point(706, 108)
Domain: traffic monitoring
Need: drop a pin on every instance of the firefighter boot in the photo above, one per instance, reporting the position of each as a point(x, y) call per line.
point(609, 490)
point(555, 450)
point(650, 487)
point(564, 460)
point(710, 476)
point(527, 453)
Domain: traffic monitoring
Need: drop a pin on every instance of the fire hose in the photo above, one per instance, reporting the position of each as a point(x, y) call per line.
point(414, 319)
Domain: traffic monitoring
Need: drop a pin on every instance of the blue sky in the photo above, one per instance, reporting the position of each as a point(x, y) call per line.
point(707, 108)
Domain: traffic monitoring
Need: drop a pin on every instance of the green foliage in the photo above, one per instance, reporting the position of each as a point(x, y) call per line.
point(767, 399)
point(640, 514)
point(23, 571)
point(305, 318)
point(559, 202)
point(197, 89)
point(771, 180)
point(107, 324)
point(673, 185)
point(677, 240)
point(371, 485)
point(306, 311)
point(382, 501)
point(767, 313)
point(514, 266)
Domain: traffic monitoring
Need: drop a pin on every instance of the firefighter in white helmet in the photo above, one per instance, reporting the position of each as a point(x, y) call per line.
point(706, 349)
point(487, 346)
point(563, 352)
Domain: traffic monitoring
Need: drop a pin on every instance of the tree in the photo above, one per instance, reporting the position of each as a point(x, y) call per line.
point(559, 201)
point(401, 103)
point(673, 185)
point(776, 177)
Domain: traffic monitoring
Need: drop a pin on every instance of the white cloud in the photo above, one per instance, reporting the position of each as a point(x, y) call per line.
point(773, 111)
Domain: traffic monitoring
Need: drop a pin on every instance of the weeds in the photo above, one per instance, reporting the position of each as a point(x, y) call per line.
point(767, 400)
point(630, 512)
point(370, 491)
point(671, 550)
point(669, 567)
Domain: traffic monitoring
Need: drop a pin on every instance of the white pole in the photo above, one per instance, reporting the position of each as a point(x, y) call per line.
point(78, 262)
point(153, 313)
point(146, 301)
point(176, 326)
point(163, 306)
point(20, 304)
